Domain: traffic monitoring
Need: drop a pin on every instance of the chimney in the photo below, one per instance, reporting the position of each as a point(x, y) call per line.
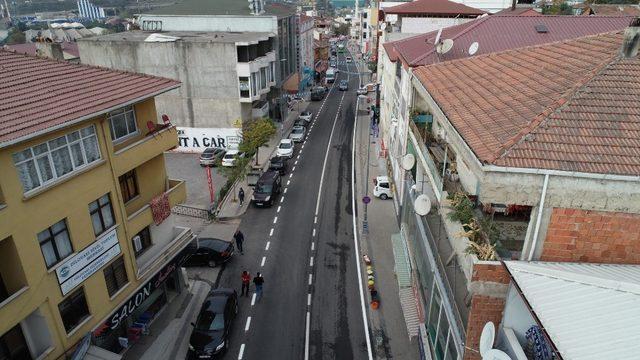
point(631, 40)
point(50, 50)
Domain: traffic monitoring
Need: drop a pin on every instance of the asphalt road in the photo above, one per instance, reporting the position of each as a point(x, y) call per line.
point(304, 248)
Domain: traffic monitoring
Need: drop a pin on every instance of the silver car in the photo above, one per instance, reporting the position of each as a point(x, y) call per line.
point(297, 133)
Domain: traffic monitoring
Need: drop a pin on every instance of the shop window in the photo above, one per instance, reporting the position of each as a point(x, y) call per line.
point(128, 185)
point(122, 123)
point(115, 275)
point(73, 310)
point(142, 241)
point(55, 243)
point(13, 346)
point(101, 213)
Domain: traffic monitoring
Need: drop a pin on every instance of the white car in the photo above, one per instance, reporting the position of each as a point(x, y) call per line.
point(349, 59)
point(362, 91)
point(306, 116)
point(229, 159)
point(285, 149)
point(297, 133)
point(382, 188)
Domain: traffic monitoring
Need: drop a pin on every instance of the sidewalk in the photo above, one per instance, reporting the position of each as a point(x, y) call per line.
point(231, 209)
point(390, 336)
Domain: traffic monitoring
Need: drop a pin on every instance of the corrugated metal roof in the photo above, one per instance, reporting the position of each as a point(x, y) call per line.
point(433, 7)
point(590, 311)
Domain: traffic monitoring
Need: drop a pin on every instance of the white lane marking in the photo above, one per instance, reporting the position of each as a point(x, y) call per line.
point(290, 176)
point(246, 327)
point(311, 261)
point(315, 219)
point(264, 258)
point(313, 245)
point(309, 299)
point(271, 232)
point(275, 219)
point(306, 336)
point(298, 158)
point(267, 246)
point(293, 169)
point(355, 235)
point(288, 182)
point(295, 163)
point(310, 279)
point(253, 299)
point(278, 209)
point(282, 199)
point(314, 232)
point(241, 353)
point(285, 191)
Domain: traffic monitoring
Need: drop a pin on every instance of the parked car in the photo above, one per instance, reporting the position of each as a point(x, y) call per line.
point(297, 133)
point(318, 93)
point(279, 164)
point(382, 188)
point(362, 91)
point(267, 189)
point(285, 148)
point(306, 116)
point(229, 159)
point(300, 122)
point(344, 85)
point(211, 156)
point(349, 59)
point(208, 252)
point(332, 63)
point(211, 331)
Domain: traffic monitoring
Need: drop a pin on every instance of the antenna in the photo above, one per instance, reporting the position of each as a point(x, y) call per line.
point(422, 205)
point(438, 36)
point(473, 49)
point(444, 46)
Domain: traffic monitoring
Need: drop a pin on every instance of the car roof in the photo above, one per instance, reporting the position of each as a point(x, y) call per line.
point(277, 159)
point(216, 301)
point(298, 127)
point(285, 141)
point(232, 152)
point(268, 176)
point(382, 178)
point(213, 243)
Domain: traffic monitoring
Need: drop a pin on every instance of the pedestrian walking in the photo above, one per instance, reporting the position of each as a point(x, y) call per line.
point(246, 280)
point(258, 281)
point(238, 236)
point(241, 196)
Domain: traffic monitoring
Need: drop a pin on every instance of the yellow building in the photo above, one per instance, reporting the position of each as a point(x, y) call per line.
point(87, 243)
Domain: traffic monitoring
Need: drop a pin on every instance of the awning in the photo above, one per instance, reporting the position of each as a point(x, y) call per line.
point(291, 84)
point(402, 269)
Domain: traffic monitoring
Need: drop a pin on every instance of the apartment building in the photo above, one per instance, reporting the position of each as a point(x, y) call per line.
point(305, 53)
point(88, 245)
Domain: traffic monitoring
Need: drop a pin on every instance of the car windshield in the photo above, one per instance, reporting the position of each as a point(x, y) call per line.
point(285, 145)
point(264, 188)
point(297, 130)
point(229, 156)
point(210, 321)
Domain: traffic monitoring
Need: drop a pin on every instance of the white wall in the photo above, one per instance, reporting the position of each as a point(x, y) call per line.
point(491, 6)
point(214, 22)
point(417, 25)
point(516, 315)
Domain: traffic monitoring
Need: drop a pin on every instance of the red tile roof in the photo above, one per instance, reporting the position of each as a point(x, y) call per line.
point(498, 33)
point(571, 105)
point(68, 47)
point(433, 7)
point(37, 94)
point(519, 11)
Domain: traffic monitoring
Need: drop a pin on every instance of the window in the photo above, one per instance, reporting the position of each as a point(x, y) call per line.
point(263, 78)
point(254, 79)
point(273, 72)
point(13, 345)
point(128, 186)
point(122, 123)
point(43, 163)
point(55, 243)
point(142, 241)
point(115, 275)
point(73, 310)
point(101, 213)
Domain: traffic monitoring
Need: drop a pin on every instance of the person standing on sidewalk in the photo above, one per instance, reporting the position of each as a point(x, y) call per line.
point(246, 280)
point(241, 196)
point(258, 281)
point(238, 236)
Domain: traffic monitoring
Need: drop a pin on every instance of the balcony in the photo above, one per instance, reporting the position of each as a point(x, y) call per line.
point(246, 68)
point(177, 191)
point(12, 279)
point(151, 145)
point(260, 109)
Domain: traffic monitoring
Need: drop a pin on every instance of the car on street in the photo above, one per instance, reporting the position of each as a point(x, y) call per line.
point(318, 93)
point(362, 91)
point(344, 85)
point(285, 148)
point(332, 64)
point(210, 336)
point(279, 164)
point(208, 252)
point(382, 187)
point(300, 122)
point(267, 189)
point(229, 159)
point(349, 59)
point(211, 156)
point(297, 133)
point(306, 116)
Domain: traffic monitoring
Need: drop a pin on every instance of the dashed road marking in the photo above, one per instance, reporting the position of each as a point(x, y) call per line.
point(314, 232)
point(267, 246)
point(246, 327)
point(310, 279)
point(315, 219)
point(293, 169)
point(298, 157)
point(285, 191)
point(309, 299)
point(288, 182)
point(271, 232)
point(313, 246)
point(290, 176)
point(278, 208)
point(311, 261)
point(264, 258)
point(253, 299)
point(282, 199)
point(275, 219)
point(241, 353)
point(295, 163)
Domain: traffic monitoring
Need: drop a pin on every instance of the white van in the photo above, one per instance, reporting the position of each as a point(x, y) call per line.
point(382, 188)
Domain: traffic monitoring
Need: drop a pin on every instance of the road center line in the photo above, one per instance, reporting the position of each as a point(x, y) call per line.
point(278, 209)
point(288, 182)
point(311, 261)
point(275, 219)
point(241, 353)
point(313, 245)
point(306, 336)
point(271, 232)
point(293, 169)
point(253, 299)
point(264, 258)
point(282, 199)
point(295, 163)
point(310, 279)
point(246, 327)
point(309, 299)
point(314, 232)
point(267, 246)
point(290, 176)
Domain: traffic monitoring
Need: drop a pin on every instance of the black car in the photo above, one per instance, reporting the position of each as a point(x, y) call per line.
point(208, 252)
point(267, 189)
point(211, 156)
point(210, 336)
point(318, 93)
point(279, 164)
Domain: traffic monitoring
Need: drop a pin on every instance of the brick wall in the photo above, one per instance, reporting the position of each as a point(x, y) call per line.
point(483, 309)
point(592, 236)
point(490, 272)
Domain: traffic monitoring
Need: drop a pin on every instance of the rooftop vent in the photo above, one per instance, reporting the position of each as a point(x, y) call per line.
point(631, 41)
point(541, 28)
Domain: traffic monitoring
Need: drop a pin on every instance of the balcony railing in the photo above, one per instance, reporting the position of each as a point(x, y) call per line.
point(427, 160)
point(153, 144)
point(177, 191)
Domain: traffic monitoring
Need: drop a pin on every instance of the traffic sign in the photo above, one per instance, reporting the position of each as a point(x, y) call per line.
point(366, 199)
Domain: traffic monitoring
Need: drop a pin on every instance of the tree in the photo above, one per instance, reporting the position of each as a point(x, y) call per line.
point(234, 173)
point(342, 29)
point(255, 134)
point(15, 37)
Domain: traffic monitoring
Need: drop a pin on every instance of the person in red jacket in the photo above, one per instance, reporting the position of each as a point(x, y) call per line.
point(246, 280)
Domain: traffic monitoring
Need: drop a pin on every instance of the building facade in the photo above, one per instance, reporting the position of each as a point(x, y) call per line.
point(88, 244)
point(88, 10)
point(305, 58)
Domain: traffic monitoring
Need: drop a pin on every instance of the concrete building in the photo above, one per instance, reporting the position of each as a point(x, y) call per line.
point(88, 10)
point(88, 245)
point(542, 170)
point(305, 60)
point(226, 77)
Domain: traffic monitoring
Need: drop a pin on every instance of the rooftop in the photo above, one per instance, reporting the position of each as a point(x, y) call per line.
point(589, 311)
point(609, 9)
point(433, 7)
point(69, 48)
point(221, 7)
point(498, 33)
point(40, 95)
point(570, 105)
point(187, 36)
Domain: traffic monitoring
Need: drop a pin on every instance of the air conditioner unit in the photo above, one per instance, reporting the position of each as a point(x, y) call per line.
point(137, 243)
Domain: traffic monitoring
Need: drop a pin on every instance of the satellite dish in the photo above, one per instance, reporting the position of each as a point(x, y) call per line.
point(408, 161)
point(487, 338)
point(383, 26)
point(438, 36)
point(444, 47)
point(473, 49)
point(495, 354)
point(422, 205)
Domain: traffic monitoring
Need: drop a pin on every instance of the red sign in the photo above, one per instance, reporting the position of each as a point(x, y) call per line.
point(212, 193)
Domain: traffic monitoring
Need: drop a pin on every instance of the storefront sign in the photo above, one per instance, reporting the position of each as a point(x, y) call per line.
point(198, 139)
point(143, 293)
point(85, 257)
point(82, 275)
